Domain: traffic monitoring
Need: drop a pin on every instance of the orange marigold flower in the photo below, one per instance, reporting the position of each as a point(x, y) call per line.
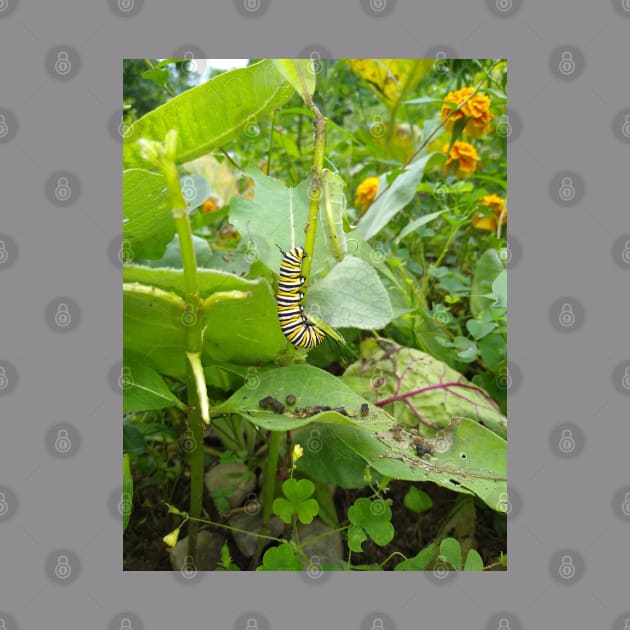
point(365, 193)
point(489, 222)
point(209, 205)
point(476, 110)
point(463, 156)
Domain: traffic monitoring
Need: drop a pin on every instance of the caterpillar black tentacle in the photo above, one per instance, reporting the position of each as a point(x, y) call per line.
point(296, 325)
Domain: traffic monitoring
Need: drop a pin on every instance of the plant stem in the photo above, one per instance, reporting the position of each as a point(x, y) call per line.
point(192, 319)
point(316, 188)
point(269, 485)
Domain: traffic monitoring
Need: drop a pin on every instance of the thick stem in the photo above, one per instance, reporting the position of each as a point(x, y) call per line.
point(269, 485)
point(192, 319)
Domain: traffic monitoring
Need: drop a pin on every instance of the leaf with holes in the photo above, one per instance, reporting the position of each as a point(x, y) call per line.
point(370, 518)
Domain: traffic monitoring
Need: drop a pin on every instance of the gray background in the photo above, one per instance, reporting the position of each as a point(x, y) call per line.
point(565, 502)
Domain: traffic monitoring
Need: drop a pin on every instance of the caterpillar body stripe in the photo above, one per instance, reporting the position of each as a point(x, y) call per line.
point(296, 325)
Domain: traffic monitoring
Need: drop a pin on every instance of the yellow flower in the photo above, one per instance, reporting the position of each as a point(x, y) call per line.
point(476, 110)
point(463, 156)
point(171, 539)
point(298, 451)
point(365, 193)
point(489, 222)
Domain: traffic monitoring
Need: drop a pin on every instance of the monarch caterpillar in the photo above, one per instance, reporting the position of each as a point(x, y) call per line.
point(296, 325)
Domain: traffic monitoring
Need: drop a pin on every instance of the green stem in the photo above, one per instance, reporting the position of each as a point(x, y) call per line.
point(316, 189)
point(269, 486)
point(164, 158)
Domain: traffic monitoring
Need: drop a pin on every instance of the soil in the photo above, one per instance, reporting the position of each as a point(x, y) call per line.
point(144, 549)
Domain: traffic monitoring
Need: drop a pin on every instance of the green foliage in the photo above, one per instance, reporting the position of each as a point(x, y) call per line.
point(281, 558)
point(416, 392)
point(298, 501)
point(369, 519)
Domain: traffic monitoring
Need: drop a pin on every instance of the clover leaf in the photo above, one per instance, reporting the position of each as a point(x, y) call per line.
point(370, 518)
point(281, 558)
point(297, 501)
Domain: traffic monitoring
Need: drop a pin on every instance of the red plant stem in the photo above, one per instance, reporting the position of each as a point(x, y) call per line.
point(396, 397)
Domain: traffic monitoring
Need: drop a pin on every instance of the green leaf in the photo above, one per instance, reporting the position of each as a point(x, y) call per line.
point(211, 114)
point(299, 73)
point(394, 199)
point(467, 350)
point(311, 387)
point(499, 290)
point(328, 459)
point(356, 538)
point(420, 561)
point(418, 223)
point(133, 439)
point(281, 558)
point(148, 224)
point(374, 517)
point(489, 266)
point(127, 492)
point(298, 501)
point(451, 552)
point(417, 500)
point(351, 296)
point(274, 218)
point(493, 351)
point(172, 256)
point(474, 561)
point(439, 392)
point(144, 389)
point(237, 331)
point(479, 329)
